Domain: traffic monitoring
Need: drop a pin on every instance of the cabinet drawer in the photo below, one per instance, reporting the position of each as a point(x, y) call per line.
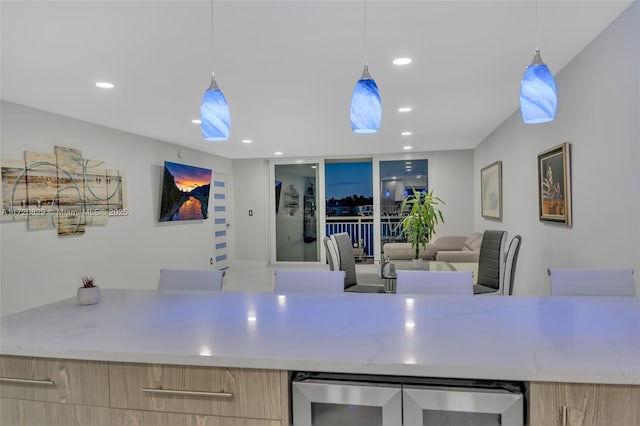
point(575, 404)
point(202, 390)
point(18, 412)
point(55, 380)
point(154, 418)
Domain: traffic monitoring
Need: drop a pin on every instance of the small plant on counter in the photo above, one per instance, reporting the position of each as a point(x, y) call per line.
point(88, 281)
point(88, 292)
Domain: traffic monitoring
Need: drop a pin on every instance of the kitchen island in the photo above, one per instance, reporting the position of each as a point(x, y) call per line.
point(139, 336)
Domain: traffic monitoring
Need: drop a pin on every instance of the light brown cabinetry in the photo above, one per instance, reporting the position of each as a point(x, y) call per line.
point(54, 380)
point(203, 390)
point(53, 392)
point(575, 404)
point(21, 412)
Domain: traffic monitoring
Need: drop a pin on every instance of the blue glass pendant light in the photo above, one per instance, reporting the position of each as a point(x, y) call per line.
point(214, 114)
point(214, 111)
point(366, 107)
point(538, 94)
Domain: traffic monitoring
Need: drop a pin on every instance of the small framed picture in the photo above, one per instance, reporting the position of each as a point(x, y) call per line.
point(554, 184)
point(491, 191)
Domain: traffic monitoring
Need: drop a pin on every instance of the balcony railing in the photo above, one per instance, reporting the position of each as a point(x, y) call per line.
point(361, 230)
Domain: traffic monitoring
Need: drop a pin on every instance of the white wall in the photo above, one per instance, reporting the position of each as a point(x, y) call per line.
point(599, 113)
point(250, 192)
point(39, 267)
point(451, 179)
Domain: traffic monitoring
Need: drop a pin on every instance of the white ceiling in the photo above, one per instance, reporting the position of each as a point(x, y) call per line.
point(288, 68)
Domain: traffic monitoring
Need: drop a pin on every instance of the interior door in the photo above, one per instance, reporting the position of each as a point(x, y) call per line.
point(220, 220)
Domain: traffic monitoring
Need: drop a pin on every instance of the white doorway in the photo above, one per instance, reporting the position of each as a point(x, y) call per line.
point(221, 221)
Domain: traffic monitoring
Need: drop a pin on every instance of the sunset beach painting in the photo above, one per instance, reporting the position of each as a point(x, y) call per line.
point(185, 192)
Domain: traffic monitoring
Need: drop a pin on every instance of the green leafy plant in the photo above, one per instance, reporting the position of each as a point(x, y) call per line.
point(423, 215)
point(88, 281)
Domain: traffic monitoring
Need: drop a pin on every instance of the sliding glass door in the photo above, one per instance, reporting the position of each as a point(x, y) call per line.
point(296, 213)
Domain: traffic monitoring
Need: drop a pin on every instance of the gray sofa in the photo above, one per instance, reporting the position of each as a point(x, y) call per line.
point(450, 248)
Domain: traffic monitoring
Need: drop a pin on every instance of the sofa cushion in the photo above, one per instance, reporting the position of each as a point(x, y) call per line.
point(404, 251)
point(450, 242)
point(473, 242)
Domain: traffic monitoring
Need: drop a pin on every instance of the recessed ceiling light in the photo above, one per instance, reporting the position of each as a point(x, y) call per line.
point(104, 85)
point(394, 177)
point(246, 141)
point(277, 153)
point(402, 61)
point(314, 166)
point(406, 133)
point(407, 162)
point(196, 121)
point(406, 148)
point(419, 176)
point(404, 109)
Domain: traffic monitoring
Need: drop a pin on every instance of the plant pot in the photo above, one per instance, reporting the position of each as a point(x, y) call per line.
point(417, 263)
point(88, 295)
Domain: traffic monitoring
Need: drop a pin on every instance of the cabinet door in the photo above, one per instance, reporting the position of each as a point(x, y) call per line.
point(127, 382)
point(573, 404)
point(154, 418)
point(202, 390)
point(17, 412)
point(253, 393)
point(56, 380)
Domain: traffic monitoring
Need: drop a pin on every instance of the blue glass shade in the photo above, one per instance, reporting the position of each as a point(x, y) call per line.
point(538, 95)
point(366, 107)
point(214, 114)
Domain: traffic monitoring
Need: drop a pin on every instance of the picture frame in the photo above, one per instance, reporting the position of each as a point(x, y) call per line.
point(554, 184)
point(185, 192)
point(491, 191)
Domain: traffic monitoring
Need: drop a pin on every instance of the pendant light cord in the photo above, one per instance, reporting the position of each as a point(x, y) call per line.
point(212, 44)
point(537, 28)
point(364, 33)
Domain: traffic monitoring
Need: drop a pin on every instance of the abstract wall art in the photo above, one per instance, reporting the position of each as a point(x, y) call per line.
point(62, 191)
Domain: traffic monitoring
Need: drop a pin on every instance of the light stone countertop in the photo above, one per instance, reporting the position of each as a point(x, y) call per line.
point(566, 339)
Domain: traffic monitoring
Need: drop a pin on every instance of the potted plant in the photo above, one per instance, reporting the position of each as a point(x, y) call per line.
point(419, 225)
point(88, 293)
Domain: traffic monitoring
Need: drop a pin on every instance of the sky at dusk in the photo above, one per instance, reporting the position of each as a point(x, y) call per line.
point(188, 178)
point(344, 179)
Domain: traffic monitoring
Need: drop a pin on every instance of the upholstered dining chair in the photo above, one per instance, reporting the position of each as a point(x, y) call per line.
point(189, 279)
point(290, 280)
point(491, 263)
point(340, 257)
point(434, 282)
point(510, 264)
point(592, 282)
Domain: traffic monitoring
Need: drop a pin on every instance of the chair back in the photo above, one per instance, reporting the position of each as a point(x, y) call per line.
point(510, 264)
point(332, 254)
point(188, 279)
point(347, 261)
point(491, 261)
point(434, 282)
point(289, 281)
point(592, 282)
